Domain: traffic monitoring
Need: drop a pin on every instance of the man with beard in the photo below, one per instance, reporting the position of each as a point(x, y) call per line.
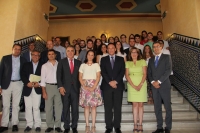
point(89, 46)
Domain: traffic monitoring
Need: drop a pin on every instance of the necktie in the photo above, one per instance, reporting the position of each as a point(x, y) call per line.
point(112, 61)
point(156, 61)
point(71, 66)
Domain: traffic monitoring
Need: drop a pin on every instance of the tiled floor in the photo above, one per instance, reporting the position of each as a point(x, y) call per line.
point(173, 131)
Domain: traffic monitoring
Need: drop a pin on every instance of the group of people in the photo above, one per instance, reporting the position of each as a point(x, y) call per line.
point(87, 75)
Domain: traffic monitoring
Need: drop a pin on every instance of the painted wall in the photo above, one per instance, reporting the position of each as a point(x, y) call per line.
point(182, 17)
point(30, 19)
point(81, 28)
point(8, 19)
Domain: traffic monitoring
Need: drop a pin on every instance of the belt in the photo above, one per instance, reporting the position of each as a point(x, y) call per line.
point(15, 80)
point(52, 83)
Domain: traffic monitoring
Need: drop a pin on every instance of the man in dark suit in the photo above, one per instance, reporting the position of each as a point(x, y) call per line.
point(69, 85)
point(32, 92)
point(112, 70)
point(159, 70)
point(27, 54)
point(11, 85)
point(44, 57)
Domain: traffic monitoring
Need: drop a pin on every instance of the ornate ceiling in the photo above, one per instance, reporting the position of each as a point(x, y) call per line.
point(103, 7)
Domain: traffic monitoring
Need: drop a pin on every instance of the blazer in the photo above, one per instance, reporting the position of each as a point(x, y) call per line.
point(27, 69)
point(161, 72)
point(26, 55)
point(44, 57)
point(65, 78)
point(109, 74)
point(6, 70)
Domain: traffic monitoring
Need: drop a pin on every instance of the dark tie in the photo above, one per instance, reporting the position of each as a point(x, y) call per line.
point(112, 61)
point(156, 61)
point(71, 66)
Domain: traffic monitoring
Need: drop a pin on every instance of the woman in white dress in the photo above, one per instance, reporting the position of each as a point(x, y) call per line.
point(77, 50)
point(120, 50)
point(147, 54)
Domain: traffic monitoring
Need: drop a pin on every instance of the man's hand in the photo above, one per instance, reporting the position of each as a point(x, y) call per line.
point(113, 84)
point(30, 85)
point(62, 91)
point(156, 84)
point(36, 85)
point(44, 95)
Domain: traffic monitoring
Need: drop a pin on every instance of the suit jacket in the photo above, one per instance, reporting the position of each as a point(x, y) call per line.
point(26, 55)
point(44, 58)
point(27, 69)
point(65, 78)
point(6, 70)
point(109, 74)
point(161, 72)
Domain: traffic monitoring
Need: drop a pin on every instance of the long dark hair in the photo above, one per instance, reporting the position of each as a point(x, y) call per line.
point(121, 49)
point(95, 48)
point(144, 53)
point(139, 57)
point(75, 48)
point(93, 60)
point(99, 52)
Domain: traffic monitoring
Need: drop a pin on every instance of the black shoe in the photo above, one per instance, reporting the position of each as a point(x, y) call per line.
point(38, 129)
point(167, 130)
point(2, 129)
point(67, 131)
point(74, 130)
point(108, 131)
point(58, 129)
point(15, 128)
point(117, 130)
point(49, 129)
point(159, 131)
point(27, 129)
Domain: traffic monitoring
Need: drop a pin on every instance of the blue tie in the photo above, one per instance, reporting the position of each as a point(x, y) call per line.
point(112, 61)
point(156, 62)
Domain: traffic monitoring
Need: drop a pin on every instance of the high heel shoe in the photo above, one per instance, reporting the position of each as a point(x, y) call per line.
point(135, 128)
point(87, 129)
point(140, 128)
point(93, 129)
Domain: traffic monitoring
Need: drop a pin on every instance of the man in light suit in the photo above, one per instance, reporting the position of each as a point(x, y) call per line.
point(11, 85)
point(69, 86)
point(159, 70)
point(27, 54)
point(112, 70)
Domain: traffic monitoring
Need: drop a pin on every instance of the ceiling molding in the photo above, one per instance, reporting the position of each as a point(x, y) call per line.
point(158, 6)
point(60, 17)
point(52, 8)
point(85, 5)
point(126, 5)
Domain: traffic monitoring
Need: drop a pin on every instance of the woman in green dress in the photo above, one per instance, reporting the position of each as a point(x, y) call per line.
point(136, 72)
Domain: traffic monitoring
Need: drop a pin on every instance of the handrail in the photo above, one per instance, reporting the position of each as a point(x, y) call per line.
point(29, 37)
point(181, 35)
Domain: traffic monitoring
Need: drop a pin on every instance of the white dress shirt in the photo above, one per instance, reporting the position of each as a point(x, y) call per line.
point(62, 51)
point(139, 46)
point(48, 73)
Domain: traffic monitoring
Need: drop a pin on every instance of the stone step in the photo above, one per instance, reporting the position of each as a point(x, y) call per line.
point(148, 115)
point(173, 100)
point(128, 126)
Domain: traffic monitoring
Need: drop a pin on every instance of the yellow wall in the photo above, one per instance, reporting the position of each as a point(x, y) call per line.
point(30, 19)
point(8, 17)
point(182, 17)
point(20, 19)
point(81, 28)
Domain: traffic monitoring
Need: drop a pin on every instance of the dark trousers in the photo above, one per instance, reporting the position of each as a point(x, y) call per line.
point(70, 99)
point(113, 102)
point(165, 95)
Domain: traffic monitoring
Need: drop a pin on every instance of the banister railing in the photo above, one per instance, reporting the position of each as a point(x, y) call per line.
point(185, 53)
point(40, 44)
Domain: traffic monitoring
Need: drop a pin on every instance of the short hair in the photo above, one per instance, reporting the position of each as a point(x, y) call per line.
point(159, 32)
point(70, 46)
point(150, 33)
point(123, 35)
point(82, 41)
point(161, 41)
point(16, 44)
point(51, 50)
point(89, 40)
point(35, 51)
point(31, 43)
point(136, 35)
point(139, 57)
point(102, 35)
point(156, 42)
point(93, 60)
point(111, 44)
